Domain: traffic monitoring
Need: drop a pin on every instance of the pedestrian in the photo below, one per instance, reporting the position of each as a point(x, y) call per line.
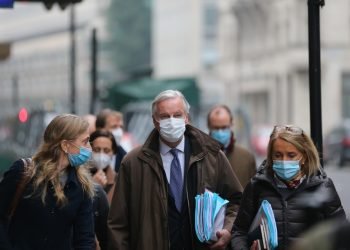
point(153, 203)
point(91, 119)
point(220, 124)
point(293, 182)
point(112, 121)
point(103, 148)
point(100, 210)
point(46, 203)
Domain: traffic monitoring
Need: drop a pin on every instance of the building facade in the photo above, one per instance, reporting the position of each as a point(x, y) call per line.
point(253, 56)
point(268, 66)
point(36, 75)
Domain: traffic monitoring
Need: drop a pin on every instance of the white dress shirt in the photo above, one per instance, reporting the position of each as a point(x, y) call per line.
point(167, 157)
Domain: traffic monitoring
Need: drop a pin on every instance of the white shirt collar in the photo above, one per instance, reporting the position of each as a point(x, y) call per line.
point(164, 149)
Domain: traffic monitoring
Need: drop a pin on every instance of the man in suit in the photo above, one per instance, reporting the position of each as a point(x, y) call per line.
point(220, 123)
point(153, 205)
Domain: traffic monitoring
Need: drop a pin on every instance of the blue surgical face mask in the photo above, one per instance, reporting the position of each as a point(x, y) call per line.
point(286, 170)
point(82, 157)
point(222, 135)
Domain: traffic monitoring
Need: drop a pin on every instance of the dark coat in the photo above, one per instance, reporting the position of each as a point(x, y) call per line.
point(138, 217)
point(36, 226)
point(119, 157)
point(295, 210)
point(242, 163)
point(101, 208)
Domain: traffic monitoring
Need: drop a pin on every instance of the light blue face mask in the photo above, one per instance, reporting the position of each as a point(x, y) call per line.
point(222, 135)
point(286, 170)
point(82, 157)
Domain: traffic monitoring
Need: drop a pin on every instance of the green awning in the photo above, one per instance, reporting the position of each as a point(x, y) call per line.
point(122, 93)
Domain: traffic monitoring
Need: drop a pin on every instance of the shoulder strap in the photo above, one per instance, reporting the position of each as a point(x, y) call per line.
point(20, 187)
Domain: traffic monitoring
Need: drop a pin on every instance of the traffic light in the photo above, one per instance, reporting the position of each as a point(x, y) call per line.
point(49, 3)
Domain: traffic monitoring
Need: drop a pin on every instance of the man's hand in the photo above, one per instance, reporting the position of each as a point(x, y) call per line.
point(224, 238)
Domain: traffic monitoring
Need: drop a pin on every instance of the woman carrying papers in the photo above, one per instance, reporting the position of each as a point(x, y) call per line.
point(292, 181)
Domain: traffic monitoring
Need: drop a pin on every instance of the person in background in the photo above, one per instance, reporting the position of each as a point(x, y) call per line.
point(100, 210)
point(220, 125)
point(153, 203)
point(103, 148)
point(100, 201)
point(46, 203)
point(293, 182)
point(113, 121)
point(91, 119)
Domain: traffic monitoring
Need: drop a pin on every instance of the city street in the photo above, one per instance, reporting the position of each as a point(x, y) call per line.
point(341, 177)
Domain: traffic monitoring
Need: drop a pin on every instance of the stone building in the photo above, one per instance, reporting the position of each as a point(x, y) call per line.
point(265, 66)
point(36, 74)
point(253, 56)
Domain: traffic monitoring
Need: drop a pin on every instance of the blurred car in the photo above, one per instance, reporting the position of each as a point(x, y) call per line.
point(21, 139)
point(336, 145)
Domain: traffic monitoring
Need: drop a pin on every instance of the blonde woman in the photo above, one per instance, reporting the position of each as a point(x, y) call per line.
point(54, 208)
point(294, 183)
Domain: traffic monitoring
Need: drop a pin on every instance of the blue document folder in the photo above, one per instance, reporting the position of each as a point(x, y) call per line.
point(263, 227)
point(210, 211)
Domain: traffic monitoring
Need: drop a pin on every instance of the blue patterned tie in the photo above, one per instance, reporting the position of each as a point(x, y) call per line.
point(176, 179)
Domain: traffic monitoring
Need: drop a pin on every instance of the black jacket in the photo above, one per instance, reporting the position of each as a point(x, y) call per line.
point(119, 157)
point(36, 226)
point(295, 210)
point(101, 208)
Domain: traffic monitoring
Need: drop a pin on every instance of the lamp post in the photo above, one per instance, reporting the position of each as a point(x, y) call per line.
point(94, 90)
point(315, 73)
point(72, 59)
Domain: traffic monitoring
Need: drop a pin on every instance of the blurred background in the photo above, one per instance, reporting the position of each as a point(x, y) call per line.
point(251, 55)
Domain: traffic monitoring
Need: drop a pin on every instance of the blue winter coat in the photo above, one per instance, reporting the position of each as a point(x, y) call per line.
point(35, 226)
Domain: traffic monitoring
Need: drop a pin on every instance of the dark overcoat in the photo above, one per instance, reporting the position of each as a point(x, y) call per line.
point(37, 226)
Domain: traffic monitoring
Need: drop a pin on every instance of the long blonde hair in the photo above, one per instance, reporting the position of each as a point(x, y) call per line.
point(43, 170)
point(303, 143)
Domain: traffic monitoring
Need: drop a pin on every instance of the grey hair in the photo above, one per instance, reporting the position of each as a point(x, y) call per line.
point(168, 94)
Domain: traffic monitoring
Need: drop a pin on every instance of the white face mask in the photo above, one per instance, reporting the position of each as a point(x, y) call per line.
point(172, 129)
point(102, 160)
point(118, 134)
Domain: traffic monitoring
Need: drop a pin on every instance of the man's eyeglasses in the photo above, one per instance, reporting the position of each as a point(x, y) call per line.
point(289, 128)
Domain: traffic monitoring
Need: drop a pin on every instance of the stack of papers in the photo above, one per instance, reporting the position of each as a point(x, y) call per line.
point(264, 229)
point(209, 215)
